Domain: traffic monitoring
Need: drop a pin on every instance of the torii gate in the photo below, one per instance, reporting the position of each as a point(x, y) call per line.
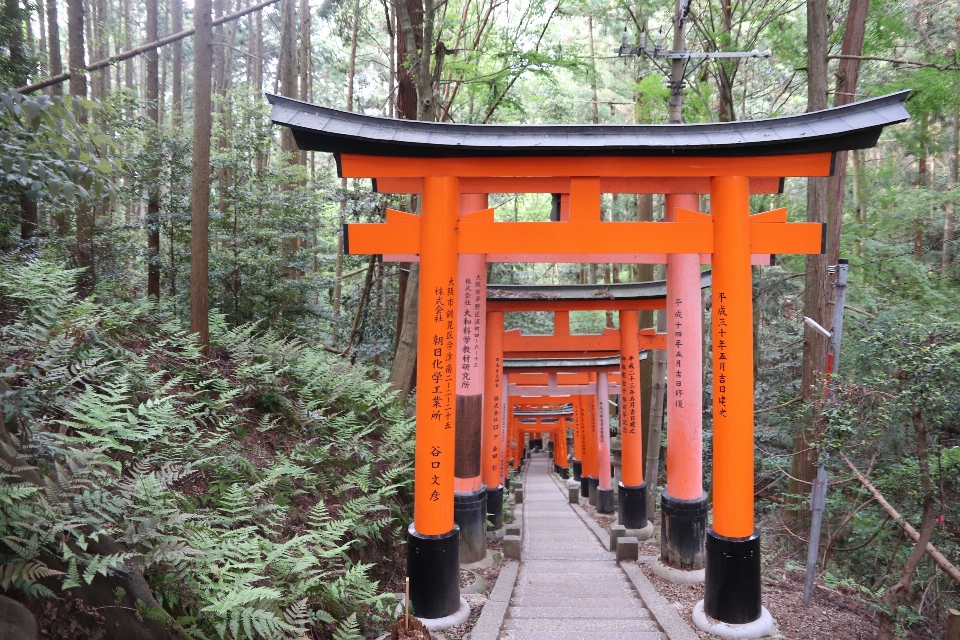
point(719, 159)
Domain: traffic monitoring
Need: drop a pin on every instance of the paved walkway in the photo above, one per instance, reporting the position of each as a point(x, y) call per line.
point(569, 586)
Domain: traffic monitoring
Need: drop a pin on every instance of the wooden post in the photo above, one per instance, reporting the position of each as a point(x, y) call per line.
point(953, 625)
point(732, 586)
point(433, 540)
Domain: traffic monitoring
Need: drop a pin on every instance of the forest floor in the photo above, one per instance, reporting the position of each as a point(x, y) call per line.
point(838, 614)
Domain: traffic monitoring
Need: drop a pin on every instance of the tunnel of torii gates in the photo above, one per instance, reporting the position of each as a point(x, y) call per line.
point(454, 167)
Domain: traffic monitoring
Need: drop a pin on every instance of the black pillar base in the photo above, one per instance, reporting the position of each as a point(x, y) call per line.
point(433, 565)
point(584, 487)
point(556, 469)
point(683, 532)
point(564, 473)
point(732, 584)
point(470, 514)
point(577, 470)
point(594, 486)
point(604, 500)
point(495, 507)
point(633, 506)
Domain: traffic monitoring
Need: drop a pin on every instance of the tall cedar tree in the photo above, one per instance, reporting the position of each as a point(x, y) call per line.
point(153, 197)
point(202, 122)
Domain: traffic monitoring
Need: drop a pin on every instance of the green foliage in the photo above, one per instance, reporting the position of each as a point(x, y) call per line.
point(137, 437)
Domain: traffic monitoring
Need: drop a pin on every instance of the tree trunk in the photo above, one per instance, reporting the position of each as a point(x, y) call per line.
point(593, 74)
point(803, 465)
point(405, 361)
point(176, 12)
point(644, 273)
point(726, 69)
point(43, 37)
point(946, 256)
point(288, 69)
point(153, 196)
point(202, 108)
point(78, 74)
point(846, 91)
point(898, 592)
point(53, 29)
point(923, 182)
point(28, 218)
point(409, 15)
point(78, 87)
point(305, 60)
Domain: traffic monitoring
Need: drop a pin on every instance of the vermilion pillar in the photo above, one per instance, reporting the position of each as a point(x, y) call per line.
point(593, 443)
point(433, 540)
point(632, 489)
point(492, 431)
point(583, 442)
point(684, 506)
point(577, 440)
point(470, 494)
point(732, 586)
point(604, 486)
point(504, 436)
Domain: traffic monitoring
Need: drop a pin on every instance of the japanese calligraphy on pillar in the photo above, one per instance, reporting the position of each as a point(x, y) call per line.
point(496, 463)
point(468, 358)
point(720, 355)
point(628, 390)
point(677, 343)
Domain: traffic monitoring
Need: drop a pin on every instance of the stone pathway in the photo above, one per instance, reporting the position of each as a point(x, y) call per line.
point(569, 586)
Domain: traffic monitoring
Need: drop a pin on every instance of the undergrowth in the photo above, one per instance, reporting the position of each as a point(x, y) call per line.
point(253, 488)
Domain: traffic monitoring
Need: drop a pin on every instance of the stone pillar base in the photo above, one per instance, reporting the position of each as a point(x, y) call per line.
point(594, 486)
point(495, 507)
point(470, 514)
point(605, 500)
point(762, 627)
point(683, 532)
point(633, 506)
point(433, 565)
point(732, 579)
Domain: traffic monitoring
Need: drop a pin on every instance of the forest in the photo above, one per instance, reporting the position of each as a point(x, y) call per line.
point(208, 424)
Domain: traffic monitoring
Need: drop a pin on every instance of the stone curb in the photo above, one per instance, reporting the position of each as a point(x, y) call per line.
point(487, 626)
point(662, 611)
point(673, 626)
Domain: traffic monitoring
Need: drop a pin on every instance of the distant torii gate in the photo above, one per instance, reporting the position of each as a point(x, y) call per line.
point(720, 159)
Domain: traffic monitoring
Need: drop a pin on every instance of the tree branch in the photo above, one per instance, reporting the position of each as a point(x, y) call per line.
point(938, 557)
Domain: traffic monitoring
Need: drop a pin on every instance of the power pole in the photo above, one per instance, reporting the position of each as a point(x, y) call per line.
point(680, 59)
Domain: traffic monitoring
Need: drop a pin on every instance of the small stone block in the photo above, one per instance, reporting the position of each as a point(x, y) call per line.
point(512, 546)
point(518, 496)
point(513, 529)
point(616, 531)
point(628, 548)
point(518, 485)
point(574, 494)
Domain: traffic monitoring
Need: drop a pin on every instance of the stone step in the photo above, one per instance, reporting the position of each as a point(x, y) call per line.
point(583, 626)
point(624, 612)
point(555, 635)
point(571, 590)
point(537, 600)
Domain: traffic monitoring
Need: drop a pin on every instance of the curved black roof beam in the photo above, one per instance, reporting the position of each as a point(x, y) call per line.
point(854, 126)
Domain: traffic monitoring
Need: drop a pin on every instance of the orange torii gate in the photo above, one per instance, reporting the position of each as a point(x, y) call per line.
point(626, 344)
point(720, 159)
